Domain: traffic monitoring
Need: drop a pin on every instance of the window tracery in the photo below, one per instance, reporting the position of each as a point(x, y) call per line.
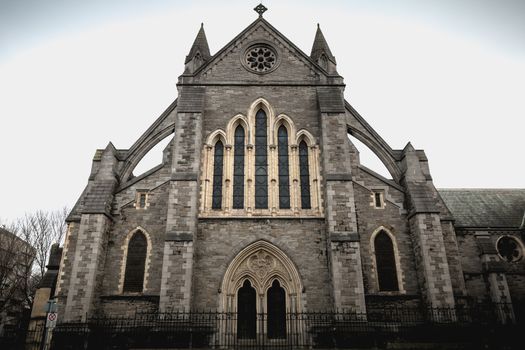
point(269, 168)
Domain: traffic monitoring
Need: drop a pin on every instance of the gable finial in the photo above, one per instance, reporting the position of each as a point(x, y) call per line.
point(260, 9)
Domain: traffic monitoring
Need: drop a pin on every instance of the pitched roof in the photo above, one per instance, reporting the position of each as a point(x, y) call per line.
point(320, 46)
point(486, 208)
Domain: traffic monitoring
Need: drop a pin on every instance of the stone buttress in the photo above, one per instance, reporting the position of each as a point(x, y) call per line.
point(344, 247)
point(181, 222)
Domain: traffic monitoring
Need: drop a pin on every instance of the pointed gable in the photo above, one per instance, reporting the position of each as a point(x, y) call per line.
point(231, 63)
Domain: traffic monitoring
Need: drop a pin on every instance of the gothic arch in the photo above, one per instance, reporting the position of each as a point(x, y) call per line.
point(215, 136)
point(283, 119)
point(261, 103)
point(306, 136)
point(397, 259)
point(125, 246)
point(239, 119)
point(231, 189)
point(261, 263)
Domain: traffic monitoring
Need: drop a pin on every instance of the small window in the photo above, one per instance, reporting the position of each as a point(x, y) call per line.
point(141, 200)
point(509, 248)
point(378, 199)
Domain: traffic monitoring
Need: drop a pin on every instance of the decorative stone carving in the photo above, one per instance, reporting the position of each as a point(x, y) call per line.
point(261, 263)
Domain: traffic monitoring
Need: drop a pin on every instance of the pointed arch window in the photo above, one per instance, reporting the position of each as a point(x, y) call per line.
point(135, 263)
point(217, 175)
point(284, 168)
point(385, 262)
point(261, 161)
point(304, 173)
point(238, 169)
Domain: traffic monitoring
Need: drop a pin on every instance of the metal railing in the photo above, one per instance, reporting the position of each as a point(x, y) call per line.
point(342, 329)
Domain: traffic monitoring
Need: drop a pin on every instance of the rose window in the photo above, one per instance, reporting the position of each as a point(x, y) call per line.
point(509, 249)
point(261, 59)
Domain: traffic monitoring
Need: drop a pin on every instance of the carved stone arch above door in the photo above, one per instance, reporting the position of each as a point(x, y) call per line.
point(261, 263)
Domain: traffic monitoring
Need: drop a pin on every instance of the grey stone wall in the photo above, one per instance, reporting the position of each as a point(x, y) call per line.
point(303, 241)
point(431, 260)
point(153, 221)
point(87, 267)
point(393, 218)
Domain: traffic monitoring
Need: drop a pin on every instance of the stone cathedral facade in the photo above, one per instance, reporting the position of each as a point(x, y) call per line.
point(261, 204)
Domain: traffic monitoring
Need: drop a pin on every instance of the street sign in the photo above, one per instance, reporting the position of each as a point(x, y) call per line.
point(51, 320)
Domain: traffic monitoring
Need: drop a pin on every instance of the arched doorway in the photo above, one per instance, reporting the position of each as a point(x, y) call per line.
point(276, 308)
point(261, 285)
point(246, 311)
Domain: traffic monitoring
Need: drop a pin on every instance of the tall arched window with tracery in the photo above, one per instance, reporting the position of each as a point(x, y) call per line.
point(135, 263)
point(385, 262)
point(304, 173)
point(238, 169)
point(218, 160)
point(261, 161)
point(284, 168)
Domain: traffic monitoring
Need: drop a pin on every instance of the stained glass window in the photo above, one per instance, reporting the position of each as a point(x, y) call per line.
point(261, 161)
point(304, 172)
point(218, 157)
point(135, 263)
point(284, 168)
point(385, 261)
point(238, 169)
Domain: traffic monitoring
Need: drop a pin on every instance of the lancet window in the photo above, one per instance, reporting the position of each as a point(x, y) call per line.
point(238, 169)
point(385, 262)
point(304, 173)
point(284, 169)
point(135, 263)
point(218, 157)
point(261, 161)
point(260, 166)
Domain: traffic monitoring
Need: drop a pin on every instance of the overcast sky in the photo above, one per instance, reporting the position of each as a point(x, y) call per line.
point(446, 75)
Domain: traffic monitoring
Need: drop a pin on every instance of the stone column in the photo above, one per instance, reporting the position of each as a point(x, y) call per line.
point(344, 246)
point(181, 221)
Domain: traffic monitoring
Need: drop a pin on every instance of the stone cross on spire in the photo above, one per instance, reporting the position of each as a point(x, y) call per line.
point(260, 9)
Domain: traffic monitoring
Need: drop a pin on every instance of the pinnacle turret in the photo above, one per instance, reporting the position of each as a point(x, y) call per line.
point(199, 52)
point(321, 53)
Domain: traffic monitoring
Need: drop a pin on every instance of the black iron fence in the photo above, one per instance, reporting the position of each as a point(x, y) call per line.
point(311, 330)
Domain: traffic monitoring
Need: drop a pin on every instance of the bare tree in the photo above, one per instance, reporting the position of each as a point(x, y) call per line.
point(24, 251)
point(17, 278)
